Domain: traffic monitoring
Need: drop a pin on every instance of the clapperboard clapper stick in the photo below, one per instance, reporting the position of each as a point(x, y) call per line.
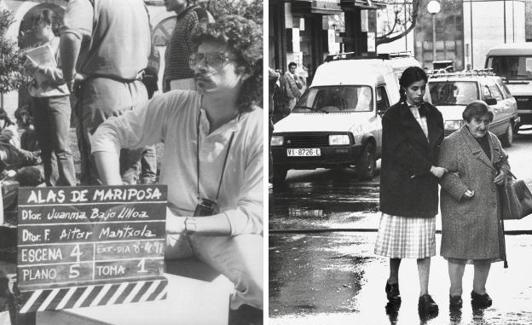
point(90, 246)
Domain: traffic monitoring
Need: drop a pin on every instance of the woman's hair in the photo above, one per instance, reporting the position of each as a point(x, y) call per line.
point(244, 39)
point(409, 76)
point(46, 16)
point(476, 109)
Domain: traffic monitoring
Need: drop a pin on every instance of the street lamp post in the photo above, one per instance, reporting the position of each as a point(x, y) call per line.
point(433, 8)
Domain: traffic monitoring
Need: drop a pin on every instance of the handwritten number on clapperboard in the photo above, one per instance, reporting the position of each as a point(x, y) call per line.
point(74, 269)
point(142, 265)
point(76, 252)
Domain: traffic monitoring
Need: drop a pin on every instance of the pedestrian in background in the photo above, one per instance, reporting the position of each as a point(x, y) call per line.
point(105, 45)
point(177, 72)
point(470, 205)
point(412, 131)
point(294, 84)
point(281, 101)
point(273, 78)
point(50, 106)
point(213, 162)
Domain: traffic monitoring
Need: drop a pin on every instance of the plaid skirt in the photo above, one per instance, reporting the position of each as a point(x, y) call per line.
point(401, 237)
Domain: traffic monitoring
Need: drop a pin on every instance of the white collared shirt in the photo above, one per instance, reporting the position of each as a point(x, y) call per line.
point(172, 118)
point(422, 121)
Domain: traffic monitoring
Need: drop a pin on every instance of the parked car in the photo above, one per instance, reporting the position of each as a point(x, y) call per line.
point(513, 62)
point(451, 92)
point(337, 121)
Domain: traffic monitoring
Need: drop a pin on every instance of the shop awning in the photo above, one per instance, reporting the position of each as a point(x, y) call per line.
point(317, 6)
point(363, 4)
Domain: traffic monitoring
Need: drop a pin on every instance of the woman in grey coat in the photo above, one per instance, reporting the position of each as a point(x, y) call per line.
point(471, 230)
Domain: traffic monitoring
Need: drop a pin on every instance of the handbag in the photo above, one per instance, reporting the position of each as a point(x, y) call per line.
point(516, 199)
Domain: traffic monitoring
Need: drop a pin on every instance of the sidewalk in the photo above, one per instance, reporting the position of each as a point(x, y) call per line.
point(334, 278)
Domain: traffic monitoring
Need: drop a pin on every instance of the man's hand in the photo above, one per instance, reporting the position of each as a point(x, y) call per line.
point(75, 83)
point(500, 179)
point(438, 171)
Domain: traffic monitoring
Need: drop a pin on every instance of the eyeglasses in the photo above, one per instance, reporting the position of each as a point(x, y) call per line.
point(216, 60)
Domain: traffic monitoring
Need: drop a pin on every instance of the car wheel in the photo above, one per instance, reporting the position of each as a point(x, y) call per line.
point(279, 175)
point(508, 137)
point(367, 164)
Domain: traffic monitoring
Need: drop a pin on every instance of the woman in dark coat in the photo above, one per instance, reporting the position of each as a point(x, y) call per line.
point(469, 202)
point(412, 133)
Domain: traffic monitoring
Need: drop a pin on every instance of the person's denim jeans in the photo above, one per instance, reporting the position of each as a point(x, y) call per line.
point(52, 123)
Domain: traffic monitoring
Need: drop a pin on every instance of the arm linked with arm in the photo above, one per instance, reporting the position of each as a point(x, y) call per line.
point(451, 181)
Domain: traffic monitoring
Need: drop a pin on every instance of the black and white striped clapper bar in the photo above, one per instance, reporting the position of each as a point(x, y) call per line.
point(90, 246)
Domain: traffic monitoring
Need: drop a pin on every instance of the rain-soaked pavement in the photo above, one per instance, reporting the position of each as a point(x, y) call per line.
point(323, 270)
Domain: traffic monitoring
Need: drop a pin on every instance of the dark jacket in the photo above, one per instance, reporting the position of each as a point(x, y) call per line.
point(408, 188)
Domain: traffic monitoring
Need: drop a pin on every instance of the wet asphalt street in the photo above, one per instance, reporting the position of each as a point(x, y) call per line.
point(323, 270)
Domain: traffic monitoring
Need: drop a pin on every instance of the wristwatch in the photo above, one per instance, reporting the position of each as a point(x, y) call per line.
point(190, 225)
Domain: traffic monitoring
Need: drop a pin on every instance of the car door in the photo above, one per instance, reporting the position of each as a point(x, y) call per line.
point(510, 104)
point(381, 104)
point(501, 118)
point(486, 95)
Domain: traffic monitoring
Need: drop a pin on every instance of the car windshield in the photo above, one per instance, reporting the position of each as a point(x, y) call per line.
point(331, 99)
point(453, 92)
point(512, 67)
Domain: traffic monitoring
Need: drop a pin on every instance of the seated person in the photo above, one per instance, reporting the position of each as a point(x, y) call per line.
point(28, 138)
point(8, 130)
point(212, 162)
point(11, 156)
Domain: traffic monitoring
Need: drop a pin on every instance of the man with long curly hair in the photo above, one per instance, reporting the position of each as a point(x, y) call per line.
point(212, 162)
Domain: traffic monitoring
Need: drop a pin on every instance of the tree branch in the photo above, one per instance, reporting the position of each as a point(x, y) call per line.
point(387, 38)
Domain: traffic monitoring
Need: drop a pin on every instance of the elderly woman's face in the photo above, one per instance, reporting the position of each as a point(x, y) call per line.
point(415, 91)
point(478, 126)
point(215, 68)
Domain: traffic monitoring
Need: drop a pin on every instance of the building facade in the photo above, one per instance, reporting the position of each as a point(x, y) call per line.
point(305, 31)
point(467, 29)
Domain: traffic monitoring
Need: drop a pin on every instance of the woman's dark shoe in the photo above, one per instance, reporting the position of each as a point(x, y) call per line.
point(392, 291)
point(392, 309)
point(480, 301)
point(455, 302)
point(427, 306)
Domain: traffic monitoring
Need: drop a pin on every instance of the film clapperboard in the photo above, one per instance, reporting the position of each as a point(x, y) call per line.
point(90, 246)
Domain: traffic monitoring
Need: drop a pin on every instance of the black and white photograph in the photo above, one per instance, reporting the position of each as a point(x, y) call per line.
point(399, 171)
point(132, 162)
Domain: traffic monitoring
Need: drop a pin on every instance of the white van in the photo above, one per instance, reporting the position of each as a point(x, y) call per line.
point(402, 60)
point(513, 62)
point(337, 122)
